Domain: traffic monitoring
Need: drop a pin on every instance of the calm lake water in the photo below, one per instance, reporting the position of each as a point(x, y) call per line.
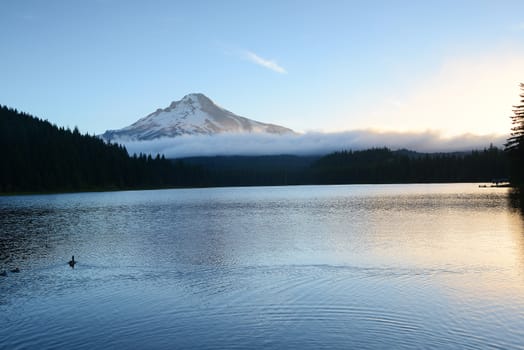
point(309, 267)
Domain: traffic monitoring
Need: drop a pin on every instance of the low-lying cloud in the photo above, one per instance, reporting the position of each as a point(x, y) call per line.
point(311, 143)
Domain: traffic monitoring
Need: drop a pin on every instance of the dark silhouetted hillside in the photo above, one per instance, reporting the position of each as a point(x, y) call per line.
point(381, 165)
point(38, 156)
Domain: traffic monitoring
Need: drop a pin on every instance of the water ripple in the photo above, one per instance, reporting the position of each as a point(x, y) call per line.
point(387, 267)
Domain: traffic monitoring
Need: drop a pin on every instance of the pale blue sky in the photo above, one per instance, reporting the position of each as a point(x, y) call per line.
point(452, 66)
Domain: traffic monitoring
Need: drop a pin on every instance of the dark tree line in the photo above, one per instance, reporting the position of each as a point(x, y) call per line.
point(38, 156)
point(515, 143)
point(381, 165)
point(278, 170)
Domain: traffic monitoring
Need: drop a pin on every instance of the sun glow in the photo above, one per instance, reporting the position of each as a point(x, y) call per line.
point(467, 95)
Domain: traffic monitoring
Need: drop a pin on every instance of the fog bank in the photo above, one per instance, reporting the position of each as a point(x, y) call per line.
point(311, 143)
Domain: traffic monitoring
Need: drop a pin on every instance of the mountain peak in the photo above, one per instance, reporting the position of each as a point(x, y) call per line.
point(194, 95)
point(191, 98)
point(194, 114)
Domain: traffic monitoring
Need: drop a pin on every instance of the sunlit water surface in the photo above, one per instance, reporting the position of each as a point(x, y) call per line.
point(367, 267)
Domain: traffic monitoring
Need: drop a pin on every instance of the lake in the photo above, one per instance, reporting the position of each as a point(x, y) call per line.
point(437, 266)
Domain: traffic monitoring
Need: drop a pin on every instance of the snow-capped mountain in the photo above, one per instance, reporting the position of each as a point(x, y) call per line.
point(194, 114)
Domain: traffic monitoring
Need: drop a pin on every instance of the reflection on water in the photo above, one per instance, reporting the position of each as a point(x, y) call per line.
point(516, 199)
point(398, 266)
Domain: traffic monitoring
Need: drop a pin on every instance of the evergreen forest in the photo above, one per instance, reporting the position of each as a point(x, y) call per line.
point(381, 165)
point(38, 156)
point(41, 157)
point(515, 143)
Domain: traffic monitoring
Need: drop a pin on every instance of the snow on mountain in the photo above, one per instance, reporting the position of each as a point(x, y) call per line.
point(193, 115)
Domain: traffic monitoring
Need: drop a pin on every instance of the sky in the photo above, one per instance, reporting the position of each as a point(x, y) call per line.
point(441, 67)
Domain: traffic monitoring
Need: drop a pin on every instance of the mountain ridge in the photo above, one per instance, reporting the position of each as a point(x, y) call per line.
point(194, 114)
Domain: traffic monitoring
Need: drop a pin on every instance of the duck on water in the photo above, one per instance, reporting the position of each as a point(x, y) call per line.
point(72, 262)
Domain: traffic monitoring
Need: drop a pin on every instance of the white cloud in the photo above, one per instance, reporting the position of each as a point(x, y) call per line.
point(309, 143)
point(269, 64)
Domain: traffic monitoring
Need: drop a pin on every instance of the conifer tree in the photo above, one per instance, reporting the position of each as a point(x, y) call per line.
point(515, 143)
